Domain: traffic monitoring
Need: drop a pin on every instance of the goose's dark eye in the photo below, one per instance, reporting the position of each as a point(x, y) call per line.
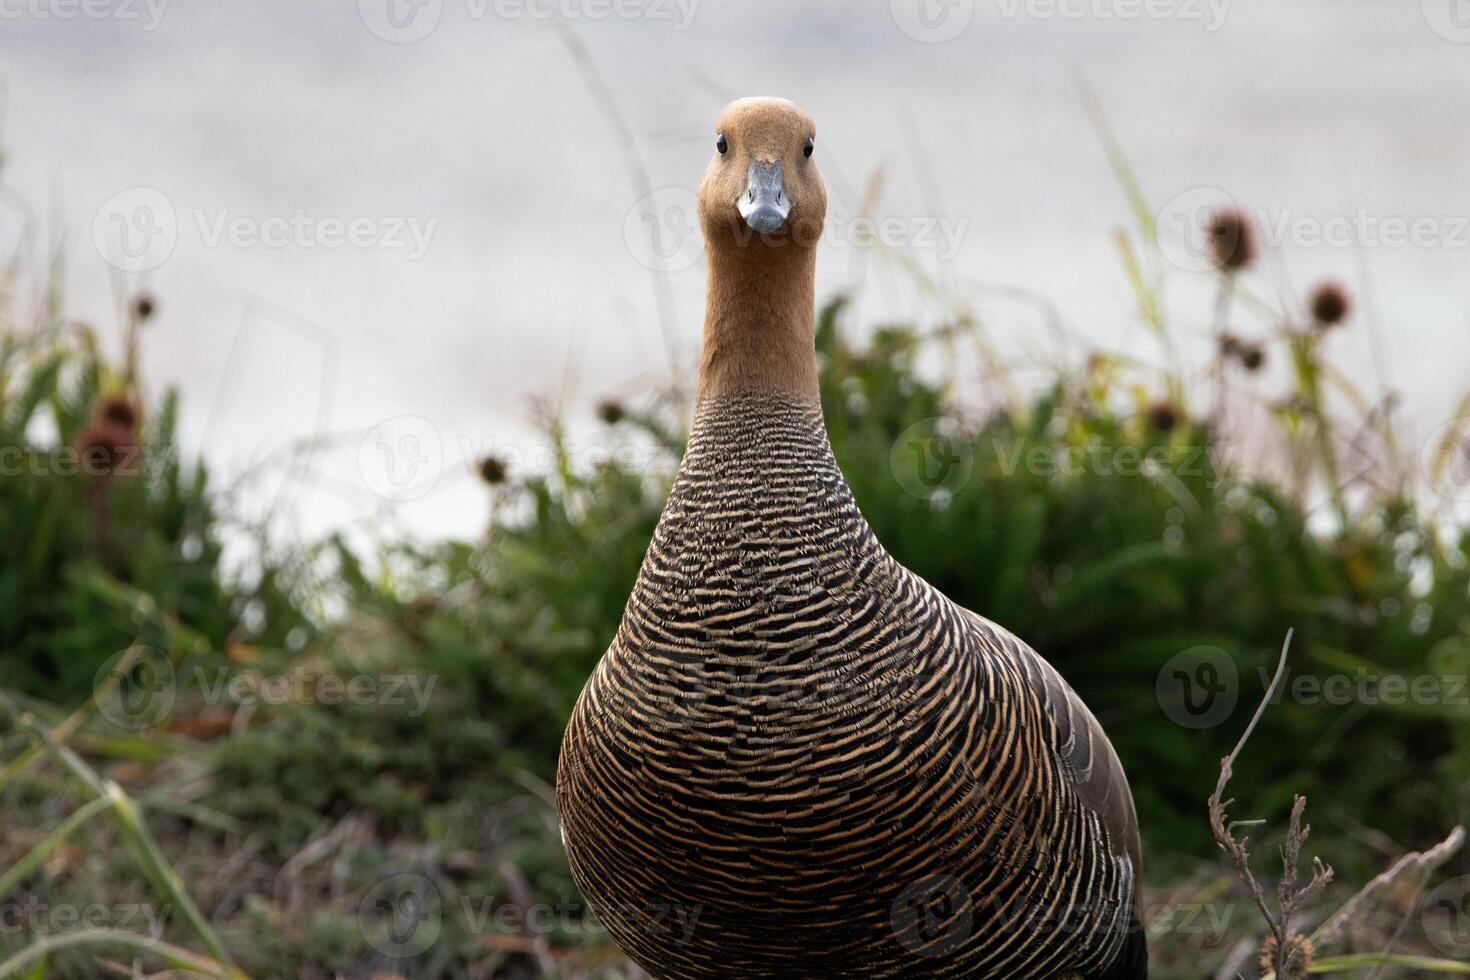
point(722, 144)
point(806, 149)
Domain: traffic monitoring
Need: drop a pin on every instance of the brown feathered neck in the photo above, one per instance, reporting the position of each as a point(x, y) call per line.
point(758, 320)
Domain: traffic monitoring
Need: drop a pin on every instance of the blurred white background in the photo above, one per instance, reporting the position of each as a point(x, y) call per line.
point(404, 219)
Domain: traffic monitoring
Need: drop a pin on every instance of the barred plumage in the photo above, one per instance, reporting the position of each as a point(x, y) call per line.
point(799, 759)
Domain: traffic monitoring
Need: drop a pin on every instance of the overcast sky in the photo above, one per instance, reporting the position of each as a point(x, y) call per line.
point(401, 221)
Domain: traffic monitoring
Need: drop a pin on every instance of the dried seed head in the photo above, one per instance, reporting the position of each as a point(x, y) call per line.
point(611, 411)
point(1298, 956)
point(101, 446)
point(1163, 416)
point(1253, 357)
point(117, 410)
point(1330, 304)
point(143, 307)
point(1232, 240)
point(493, 470)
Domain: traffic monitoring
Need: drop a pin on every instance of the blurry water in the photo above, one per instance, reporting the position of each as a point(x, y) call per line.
point(399, 221)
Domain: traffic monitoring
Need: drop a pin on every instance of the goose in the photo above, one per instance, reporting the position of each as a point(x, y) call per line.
point(797, 758)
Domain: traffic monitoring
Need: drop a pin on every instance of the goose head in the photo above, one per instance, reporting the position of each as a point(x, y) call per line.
point(762, 183)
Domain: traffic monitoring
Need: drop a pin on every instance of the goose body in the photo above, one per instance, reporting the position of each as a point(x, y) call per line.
point(797, 758)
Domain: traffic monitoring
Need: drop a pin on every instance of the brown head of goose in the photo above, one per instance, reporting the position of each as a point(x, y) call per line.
point(797, 758)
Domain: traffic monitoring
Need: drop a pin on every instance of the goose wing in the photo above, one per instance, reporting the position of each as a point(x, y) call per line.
point(1082, 750)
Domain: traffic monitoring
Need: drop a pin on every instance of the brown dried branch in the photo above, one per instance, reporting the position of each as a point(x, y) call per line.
point(1285, 953)
point(1421, 863)
point(1285, 949)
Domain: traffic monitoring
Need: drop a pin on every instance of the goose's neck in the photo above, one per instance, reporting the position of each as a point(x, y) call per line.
point(758, 323)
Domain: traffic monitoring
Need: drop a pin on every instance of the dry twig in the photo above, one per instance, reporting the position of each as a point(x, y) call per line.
point(1286, 954)
point(1287, 950)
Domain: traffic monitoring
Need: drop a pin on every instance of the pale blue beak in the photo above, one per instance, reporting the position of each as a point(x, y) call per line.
point(764, 205)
